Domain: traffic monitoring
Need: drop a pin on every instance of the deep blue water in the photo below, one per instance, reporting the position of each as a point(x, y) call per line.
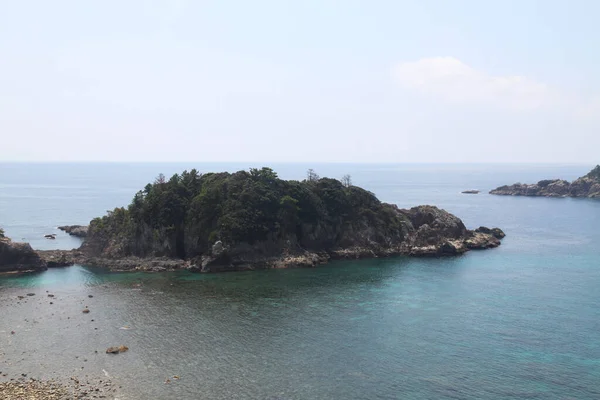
point(518, 322)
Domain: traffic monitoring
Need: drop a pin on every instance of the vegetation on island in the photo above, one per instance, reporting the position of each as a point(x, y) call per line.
point(185, 215)
point(594, 173)
point(2, 234)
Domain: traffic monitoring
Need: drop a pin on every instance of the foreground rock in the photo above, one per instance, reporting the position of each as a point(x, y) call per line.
point(79, 231)
point(586, 186)
point(19, 257)
point(34, 390)
point(74, 388)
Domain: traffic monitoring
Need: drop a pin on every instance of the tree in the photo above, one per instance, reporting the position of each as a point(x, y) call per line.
point(2, 233)
point(160, 179)
point(265, 174)
point(347, 180)
point(311, 175)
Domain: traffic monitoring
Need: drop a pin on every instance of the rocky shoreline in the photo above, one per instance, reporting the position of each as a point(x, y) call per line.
point(437, 234)
point(585, 186)
point(53, 389)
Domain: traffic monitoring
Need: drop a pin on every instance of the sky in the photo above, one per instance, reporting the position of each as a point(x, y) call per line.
point(300, 81)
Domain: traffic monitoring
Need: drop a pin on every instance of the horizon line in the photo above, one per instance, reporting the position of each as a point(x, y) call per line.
point(305, 162)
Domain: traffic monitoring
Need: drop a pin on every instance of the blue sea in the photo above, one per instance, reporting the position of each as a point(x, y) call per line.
point(518, 322)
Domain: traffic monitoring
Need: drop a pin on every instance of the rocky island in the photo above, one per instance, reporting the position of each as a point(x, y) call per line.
point(585, 186)
point(252, 219)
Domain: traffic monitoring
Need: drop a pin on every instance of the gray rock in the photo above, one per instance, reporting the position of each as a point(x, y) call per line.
point(19, 257)
point(79, 231)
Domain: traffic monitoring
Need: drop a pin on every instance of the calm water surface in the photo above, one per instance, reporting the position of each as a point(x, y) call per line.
point(518, 322)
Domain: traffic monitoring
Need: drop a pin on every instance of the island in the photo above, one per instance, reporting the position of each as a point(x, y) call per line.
point(585, 186)
point(253, 220)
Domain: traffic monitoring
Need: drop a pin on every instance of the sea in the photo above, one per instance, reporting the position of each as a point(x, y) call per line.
point(518, 322)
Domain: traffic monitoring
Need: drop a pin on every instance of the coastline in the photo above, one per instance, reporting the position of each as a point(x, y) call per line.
point(214, 264)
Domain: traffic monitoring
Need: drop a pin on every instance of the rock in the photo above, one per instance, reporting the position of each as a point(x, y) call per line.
point(59, 258)
point(19, 257)
point(30, 294)
point(472, 191)
point(585, 186)
point(217, 248)
point(90, 296)
point(117, 350)
point(86, 311)
point(79, 231)
point(480, 241)
point(496, 232)
point(436, 232)
point(50, 236)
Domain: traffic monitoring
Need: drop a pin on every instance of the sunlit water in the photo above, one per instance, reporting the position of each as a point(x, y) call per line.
point(518, 322)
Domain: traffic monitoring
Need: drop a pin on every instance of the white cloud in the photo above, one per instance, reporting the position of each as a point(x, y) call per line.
point(453, 81)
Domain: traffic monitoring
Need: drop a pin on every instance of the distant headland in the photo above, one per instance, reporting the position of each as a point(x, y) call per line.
point(251, 220)
point(585, 186)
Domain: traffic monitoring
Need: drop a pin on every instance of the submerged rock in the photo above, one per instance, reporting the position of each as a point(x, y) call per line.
point(117, 349)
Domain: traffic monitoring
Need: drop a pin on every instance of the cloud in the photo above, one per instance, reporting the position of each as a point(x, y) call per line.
point(450, 80)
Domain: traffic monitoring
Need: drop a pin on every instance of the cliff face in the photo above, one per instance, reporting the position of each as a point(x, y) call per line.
point(19, 257)
point(253, 219)
point(586, 186)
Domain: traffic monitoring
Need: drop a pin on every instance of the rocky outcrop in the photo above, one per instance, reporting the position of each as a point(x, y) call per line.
point(586, 186)
point(19, 257)
point(496, 232)
point(439, 233)
point(428, 231)
point(79, 231)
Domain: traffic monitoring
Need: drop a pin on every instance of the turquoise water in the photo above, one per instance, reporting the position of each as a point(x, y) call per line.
point(518, 322)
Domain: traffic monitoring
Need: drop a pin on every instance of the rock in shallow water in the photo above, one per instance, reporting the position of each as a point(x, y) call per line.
point(117, 350)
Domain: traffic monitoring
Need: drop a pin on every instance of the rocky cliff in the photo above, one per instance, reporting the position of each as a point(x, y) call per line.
point(19, 257)
point(586, 186)
point(248, 220)
point(79, 231)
